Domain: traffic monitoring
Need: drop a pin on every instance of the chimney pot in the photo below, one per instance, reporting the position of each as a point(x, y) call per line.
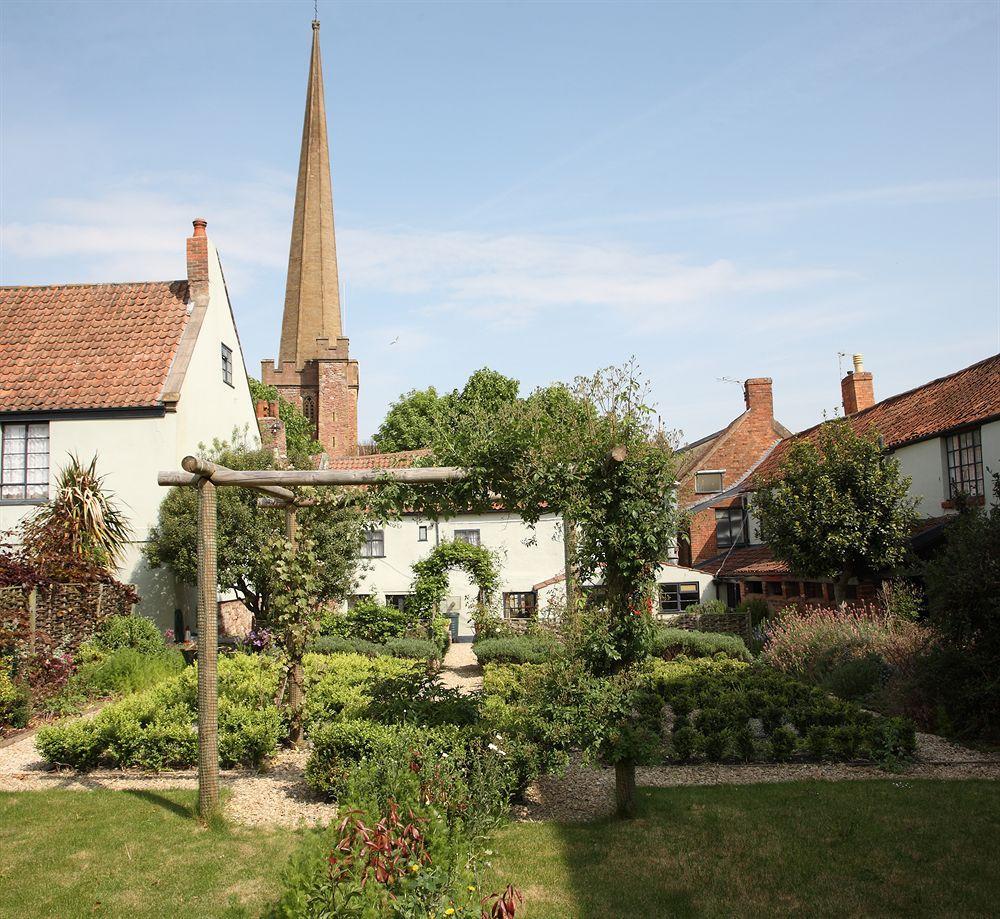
point(199, 226)
point(857, 388)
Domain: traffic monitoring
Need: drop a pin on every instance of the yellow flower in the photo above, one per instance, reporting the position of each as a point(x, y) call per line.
point(450, 911)
point(472, 889)
point(414, 867)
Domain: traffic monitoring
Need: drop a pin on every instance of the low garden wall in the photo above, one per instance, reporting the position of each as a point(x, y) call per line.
point(64, 615)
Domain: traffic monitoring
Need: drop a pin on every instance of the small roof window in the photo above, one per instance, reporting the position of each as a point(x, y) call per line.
point(708, 481)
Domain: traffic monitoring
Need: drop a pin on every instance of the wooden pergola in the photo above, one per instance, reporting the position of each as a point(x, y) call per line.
point(275, 488)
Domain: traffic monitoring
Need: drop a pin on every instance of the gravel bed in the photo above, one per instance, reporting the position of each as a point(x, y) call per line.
point(460, 668)
point(587, 792)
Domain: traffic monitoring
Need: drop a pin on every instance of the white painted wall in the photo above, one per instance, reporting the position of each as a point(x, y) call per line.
point(526, 557)
point(131, 451)
point(926, 464)
point(678, 574)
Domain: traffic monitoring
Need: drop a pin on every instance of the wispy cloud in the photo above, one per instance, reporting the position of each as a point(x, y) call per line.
point(503, 279)
point(886, 195)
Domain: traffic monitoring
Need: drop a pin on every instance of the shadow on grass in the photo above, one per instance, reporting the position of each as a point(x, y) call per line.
point(177, 808)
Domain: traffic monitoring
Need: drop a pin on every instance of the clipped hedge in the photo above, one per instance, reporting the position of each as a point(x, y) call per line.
point(135, 632)
point(670, 643)
point(415, 648)
point(521, 649)
point(15, 701)
point(340, 746)
point(727, 710)
point(157, 729)
point(340, 686)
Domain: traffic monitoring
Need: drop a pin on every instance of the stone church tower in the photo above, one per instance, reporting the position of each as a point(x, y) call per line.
point(314, 368)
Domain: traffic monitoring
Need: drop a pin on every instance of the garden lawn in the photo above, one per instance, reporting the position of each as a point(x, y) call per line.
point(874, 848)
point(137, 854)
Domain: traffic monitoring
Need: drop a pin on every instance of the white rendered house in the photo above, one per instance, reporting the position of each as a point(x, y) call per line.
point(139, 374)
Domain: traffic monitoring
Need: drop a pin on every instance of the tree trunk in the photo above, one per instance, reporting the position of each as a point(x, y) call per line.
point(625, 789)
point(296, 696)
point(208, 649)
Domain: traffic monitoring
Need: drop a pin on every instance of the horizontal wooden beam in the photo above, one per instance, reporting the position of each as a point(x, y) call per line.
point(273, 482)
point(271, 477)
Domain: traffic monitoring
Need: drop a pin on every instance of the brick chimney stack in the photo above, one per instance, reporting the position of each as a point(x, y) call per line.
point(197, 263)
point(272, 428)
point(857, 388)
point(759, 397)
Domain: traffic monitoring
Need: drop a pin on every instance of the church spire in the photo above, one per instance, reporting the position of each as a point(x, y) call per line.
point(312, 292)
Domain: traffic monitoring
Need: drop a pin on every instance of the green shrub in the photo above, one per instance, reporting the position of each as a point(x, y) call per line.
point(440, 633)
point(341, 686)
point(669, 643)
point(417, 697)
point(757, 608)
point(338, 644)
point(340, 746)
point(420, 649)
point(15, 702)
point(368, 620)
point(711, 607)
point(134, 632)
point(726, 698)
point(126, 670)
point(520, 649)
point(857, 677)
point(156, 729)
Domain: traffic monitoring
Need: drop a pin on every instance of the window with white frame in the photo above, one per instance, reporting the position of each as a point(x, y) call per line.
point(227, 365)
point(469, 536)
point(422, 533)
point(675, 598)
point(24, 462)
point(520, 604)
point(374, 545)
point(965, 463)
point(708, 481)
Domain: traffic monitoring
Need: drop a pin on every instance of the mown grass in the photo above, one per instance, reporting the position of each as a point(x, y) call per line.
point(136, 854)
point(872, 848)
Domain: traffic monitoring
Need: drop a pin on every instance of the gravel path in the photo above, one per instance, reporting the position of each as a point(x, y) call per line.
point(460, 668)
point(585, 793)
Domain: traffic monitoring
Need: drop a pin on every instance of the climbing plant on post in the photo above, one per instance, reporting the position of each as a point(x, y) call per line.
point(430, 576)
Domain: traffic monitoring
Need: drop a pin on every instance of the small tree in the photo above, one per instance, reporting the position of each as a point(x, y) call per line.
point(838, 507)
point(246, 533)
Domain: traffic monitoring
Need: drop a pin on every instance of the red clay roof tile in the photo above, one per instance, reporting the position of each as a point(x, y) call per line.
point(88, 346)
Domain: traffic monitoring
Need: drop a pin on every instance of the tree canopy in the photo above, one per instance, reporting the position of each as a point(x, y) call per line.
point(838, 507)
point(421, 417)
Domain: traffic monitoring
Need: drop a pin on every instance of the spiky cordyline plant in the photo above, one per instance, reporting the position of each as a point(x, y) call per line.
point(83, 521)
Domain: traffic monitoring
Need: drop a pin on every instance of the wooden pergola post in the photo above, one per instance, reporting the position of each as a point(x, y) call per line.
point(208, 651)
point(296, 678)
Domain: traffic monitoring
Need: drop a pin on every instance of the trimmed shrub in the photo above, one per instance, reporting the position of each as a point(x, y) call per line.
point(368, 620)
point(15, 702)
point(522, 649)
point(126, 670)
point(156, 729)
point(711, 607)
point(339, 747)
point(338, 644)
point(669, 643)
point(414, 648)
point(135, 632)
point(733, 704)
point(341, 686)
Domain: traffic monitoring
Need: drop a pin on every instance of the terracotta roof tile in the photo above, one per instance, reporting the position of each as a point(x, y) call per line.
point(378, 460)
point(967, 396)
point(88, 346)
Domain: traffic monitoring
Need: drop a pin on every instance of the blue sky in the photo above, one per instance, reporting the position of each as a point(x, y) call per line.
point(721, 190)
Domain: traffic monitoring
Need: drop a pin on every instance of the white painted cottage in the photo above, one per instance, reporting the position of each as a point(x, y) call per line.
point(139, 374)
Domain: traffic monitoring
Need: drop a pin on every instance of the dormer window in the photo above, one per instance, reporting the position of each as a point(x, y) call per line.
point(227, 365)
point(965, 463)
point(708, 481)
